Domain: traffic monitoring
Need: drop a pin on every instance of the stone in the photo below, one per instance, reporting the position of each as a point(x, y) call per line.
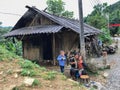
point(92, 67)
point(28, 81)
point(105, 75)
point(50, 86)
point(1, 72)
point(16, 75)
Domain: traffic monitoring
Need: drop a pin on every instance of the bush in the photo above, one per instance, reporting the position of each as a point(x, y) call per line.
point(13, 45)
point(6, 55)
point(26, 72)
point(30, 68)
point(36, 82)
point(50, 75)
point(64, 77)
point(27, 64)
point(105, 36)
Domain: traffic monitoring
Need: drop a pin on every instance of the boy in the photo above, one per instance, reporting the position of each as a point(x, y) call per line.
point(62, 59)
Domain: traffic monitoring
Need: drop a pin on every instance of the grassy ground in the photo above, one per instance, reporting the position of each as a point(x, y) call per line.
point(14, 69)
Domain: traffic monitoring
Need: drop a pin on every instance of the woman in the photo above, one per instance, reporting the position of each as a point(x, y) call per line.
point(80, 65)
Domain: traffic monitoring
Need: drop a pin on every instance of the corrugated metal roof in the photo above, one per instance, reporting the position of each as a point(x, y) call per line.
point(63, 22)
point(35, 30)
point(68, 23)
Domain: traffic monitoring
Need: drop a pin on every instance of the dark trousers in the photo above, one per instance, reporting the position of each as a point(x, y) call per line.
point(62, 69)
point(74, 72)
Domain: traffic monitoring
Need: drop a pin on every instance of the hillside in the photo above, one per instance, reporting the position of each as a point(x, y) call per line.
point(14, 71)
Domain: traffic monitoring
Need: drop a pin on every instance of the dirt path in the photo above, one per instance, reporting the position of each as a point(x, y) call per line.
point(113, 82)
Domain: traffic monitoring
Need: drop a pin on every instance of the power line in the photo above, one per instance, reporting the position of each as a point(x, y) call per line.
point(99, 2)
point(10, 13)
point(95, 1)
point(91, 3)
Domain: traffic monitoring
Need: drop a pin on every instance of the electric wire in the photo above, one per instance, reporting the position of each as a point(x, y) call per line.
point(10, 13)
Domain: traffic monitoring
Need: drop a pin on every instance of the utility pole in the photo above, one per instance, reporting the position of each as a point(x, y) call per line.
point(81, 30)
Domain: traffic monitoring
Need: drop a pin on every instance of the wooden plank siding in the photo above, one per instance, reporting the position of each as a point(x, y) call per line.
point(30, 51)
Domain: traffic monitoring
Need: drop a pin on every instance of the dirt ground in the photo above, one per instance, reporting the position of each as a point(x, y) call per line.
point(8, 80)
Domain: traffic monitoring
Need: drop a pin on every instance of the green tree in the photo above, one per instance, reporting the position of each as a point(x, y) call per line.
point(105, 36)
point(99, 20)
point(115, 19)
point(10, 44)
point(56, 7)
point(67, 14)
point(3, 30)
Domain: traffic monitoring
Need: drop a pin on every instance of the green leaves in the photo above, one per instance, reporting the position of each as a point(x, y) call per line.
point(57, 7)
point(67, 14)
point(105, 36)
point(49, 75)
point(99, 20)
point(5, 54)
point(36, 82)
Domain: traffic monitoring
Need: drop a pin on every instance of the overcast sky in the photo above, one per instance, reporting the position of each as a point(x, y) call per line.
point(18, 7)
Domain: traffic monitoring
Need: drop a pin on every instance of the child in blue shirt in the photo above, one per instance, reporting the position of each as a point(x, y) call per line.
point(62, 60)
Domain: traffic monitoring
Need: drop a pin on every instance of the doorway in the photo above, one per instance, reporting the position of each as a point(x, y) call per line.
point(47, 47)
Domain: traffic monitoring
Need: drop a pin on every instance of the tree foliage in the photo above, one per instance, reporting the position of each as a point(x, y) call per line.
point(115, 19)
point(98, 18)
point(57, 7)
point(3, 30)
point(105, 36)
point(102, 13)
point(10, 44)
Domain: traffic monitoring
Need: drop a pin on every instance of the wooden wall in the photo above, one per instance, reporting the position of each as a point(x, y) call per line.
point(35, 46)
point(40, 20)
point(67, 41)
point(30, 51)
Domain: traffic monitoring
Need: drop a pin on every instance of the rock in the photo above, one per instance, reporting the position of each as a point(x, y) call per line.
point(16, 75)
point(92, 67)
point(28, 81)
point(50, 86)
point(105, 75)
point(1, 72)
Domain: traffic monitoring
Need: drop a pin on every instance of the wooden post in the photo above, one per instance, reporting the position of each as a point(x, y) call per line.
point(54, 60)
point(82, 41)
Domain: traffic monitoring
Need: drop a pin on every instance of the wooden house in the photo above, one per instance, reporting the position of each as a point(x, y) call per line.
point(43, 35)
